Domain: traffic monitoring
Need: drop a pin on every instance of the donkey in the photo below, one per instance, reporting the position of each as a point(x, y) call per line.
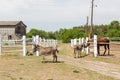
point(77, 49)
point(44, 51)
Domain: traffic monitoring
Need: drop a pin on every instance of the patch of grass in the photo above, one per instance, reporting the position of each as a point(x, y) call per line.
point(9, 76)
point(5, 43)
point(21, 64)
point(11, 55)
point(75, 71)
point(20, 78)
point(65, 49)
point(49, 79)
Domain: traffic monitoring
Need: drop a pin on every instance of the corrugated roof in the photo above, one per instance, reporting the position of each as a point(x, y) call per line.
point(9, 22)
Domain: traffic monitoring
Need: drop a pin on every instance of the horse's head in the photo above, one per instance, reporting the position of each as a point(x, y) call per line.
point(80, 46)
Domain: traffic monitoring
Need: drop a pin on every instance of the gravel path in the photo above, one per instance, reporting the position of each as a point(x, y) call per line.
point(107, 69)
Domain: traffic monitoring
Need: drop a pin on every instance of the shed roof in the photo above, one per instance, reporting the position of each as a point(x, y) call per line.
point(9, 22)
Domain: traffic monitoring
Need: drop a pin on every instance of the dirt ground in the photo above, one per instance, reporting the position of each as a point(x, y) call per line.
point(17, 67)
point(106, 65)
point(13, 67)
point(114, 50)
point(107, 69)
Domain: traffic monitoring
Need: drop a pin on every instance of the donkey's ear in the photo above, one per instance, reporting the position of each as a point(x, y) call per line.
point(37, 45)
point(34, 44)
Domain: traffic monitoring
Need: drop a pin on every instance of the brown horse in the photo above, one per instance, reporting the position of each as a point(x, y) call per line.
point(44, 51)
point(101, 42)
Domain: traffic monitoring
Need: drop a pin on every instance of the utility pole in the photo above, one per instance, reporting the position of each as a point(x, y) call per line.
point(91, 26)
point(86, 30)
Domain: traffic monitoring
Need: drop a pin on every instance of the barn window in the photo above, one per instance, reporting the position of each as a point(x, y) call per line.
point(9, 37)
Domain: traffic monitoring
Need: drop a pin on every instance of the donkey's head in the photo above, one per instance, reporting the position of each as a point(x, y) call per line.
point(35, 48)
point(87, 44)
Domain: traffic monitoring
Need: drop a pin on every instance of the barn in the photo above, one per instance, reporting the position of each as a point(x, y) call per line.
point(12, 29)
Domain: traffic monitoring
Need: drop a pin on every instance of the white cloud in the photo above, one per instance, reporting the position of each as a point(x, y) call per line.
point(55, 14)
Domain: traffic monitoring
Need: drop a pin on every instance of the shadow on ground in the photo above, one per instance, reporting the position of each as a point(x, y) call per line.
point(52, 62)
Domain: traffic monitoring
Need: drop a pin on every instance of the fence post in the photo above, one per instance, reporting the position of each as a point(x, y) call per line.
point(24, 45)
point(83, 43)
point(80, 41)
point(37, 43)
point(40, 41)
point(56, 42)
point(33, 41)
point(87, 49)
point(0, 44)
point(75, 42)
point(95, 46)
point(72, 42)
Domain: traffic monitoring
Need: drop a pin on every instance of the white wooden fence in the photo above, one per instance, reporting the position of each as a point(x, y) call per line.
point(82, 41)
point(21, 44)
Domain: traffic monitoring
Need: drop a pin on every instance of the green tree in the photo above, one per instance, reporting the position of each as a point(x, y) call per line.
point(34, 32)
point(51, 35)
point(114, 33)
point(68, 34)
point(114, 25)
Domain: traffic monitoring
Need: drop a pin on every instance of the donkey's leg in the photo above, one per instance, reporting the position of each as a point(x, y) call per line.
point(43, 60)
point(78, 54)
point(54, 58)
point(55, 55)
point(74, 53)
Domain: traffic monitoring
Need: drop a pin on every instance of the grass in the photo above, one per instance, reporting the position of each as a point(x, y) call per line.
point(30, 68)
point(16, 67)
point(75, 71)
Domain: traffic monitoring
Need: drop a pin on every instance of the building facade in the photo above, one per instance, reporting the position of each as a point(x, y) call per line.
point(12, 29)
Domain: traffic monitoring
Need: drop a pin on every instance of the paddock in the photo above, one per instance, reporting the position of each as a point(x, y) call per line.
point(14, 66)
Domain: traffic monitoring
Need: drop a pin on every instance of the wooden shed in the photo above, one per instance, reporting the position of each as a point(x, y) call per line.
point(12, 29)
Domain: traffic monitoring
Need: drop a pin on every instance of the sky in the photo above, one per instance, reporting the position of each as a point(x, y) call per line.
point(52, 15)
